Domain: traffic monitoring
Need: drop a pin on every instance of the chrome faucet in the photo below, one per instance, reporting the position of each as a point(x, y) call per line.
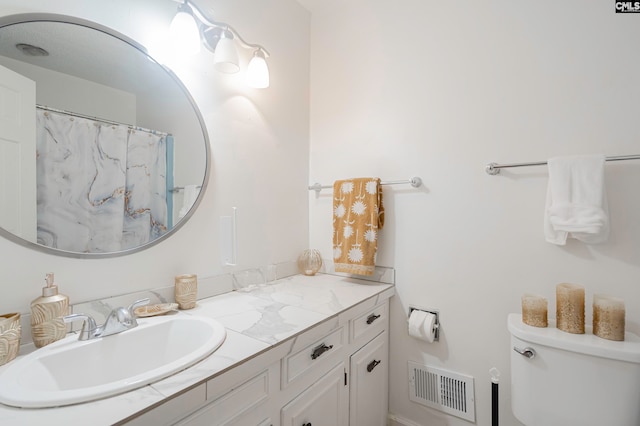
point(119, 320)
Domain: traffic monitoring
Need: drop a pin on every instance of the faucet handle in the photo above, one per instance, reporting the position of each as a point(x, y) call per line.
point(137, 304)
point(88, 325)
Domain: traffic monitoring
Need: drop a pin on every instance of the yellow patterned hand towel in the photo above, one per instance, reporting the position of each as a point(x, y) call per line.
point(358, 215)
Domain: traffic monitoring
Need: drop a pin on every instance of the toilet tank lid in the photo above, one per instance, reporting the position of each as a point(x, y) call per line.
point(588, 343)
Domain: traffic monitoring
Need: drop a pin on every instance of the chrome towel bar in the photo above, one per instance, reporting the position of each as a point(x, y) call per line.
point(494, 168)
point(414, 181)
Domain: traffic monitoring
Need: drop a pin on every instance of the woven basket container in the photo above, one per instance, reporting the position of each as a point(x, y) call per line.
point(186, 291)
point(10, 332)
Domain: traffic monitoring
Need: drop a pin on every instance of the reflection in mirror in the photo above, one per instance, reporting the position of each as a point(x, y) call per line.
point(103, 151)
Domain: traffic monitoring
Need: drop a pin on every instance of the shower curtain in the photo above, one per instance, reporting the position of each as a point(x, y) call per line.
point(101, 187)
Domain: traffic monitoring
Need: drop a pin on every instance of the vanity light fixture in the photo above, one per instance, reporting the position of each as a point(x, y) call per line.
point(225, 58)
point(221, 39)
point(184, 30)
point(258, 71)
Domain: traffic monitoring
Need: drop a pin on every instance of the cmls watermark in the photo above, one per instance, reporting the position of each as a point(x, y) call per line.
point(628, 7)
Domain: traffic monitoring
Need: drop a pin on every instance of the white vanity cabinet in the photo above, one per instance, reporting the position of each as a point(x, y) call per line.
point(368, 360)
point(345, 373)
point(332, 374)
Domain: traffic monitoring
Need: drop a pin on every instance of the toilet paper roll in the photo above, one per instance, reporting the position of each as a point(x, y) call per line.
point(422, 325)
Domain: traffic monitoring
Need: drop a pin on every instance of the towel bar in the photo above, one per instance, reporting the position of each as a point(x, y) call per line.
point(414, 181)
point(494, 168)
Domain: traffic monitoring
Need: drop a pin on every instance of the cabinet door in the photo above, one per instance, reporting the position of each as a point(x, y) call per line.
point(325, 403)
point(368, 394)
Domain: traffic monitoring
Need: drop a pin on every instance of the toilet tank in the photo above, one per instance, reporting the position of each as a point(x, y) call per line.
point(573, 379)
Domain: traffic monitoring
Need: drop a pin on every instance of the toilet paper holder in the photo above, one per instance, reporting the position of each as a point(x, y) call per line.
point(436, 326)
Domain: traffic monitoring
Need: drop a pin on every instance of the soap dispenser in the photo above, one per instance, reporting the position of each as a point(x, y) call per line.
point(47, 324)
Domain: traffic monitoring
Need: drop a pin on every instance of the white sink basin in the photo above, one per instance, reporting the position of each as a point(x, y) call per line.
point(70, 371)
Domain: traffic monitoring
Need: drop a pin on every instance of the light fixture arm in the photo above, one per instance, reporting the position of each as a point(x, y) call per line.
point(199, 15)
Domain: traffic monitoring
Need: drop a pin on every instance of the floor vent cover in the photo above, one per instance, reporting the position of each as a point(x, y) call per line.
point(443, 390)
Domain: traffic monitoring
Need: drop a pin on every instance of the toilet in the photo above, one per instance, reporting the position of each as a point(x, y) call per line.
point(564, 379)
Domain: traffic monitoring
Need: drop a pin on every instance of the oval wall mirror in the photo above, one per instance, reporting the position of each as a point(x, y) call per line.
point(103, 152)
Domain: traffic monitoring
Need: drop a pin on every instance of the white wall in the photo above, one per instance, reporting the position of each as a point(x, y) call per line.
point(439, 89)
point(259, 156)
point(52, 90)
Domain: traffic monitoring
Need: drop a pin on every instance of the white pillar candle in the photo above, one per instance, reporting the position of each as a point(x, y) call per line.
point(608, 317)
point(570, 308)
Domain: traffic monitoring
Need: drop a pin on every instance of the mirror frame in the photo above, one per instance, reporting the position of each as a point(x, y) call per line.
point(72, 20)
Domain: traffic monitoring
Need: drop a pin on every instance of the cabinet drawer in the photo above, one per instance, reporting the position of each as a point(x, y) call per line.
point(209, 416)
point(316, 354)
point(226, 409)
point(371, 323)
point(174, 409)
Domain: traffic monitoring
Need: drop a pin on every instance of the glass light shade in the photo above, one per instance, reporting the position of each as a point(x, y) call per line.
point(184, 32)
point(226, 57)
point(258, 71)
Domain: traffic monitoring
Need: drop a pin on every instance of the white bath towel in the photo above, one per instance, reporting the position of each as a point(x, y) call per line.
point(190, 195)
point(576, 200)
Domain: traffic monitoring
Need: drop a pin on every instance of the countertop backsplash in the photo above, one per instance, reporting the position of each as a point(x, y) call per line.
point(208, 286)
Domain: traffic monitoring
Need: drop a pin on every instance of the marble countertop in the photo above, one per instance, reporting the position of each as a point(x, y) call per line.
point(255, 321)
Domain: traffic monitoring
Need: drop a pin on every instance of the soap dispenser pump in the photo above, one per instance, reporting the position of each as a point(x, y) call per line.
point(47, 312)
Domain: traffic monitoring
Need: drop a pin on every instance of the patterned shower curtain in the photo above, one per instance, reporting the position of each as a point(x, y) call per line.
point(145, 210)
point(101, 187)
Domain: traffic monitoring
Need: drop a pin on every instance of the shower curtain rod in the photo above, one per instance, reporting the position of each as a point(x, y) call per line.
point(494, 168)
point(414, 181)
point(101, 120)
